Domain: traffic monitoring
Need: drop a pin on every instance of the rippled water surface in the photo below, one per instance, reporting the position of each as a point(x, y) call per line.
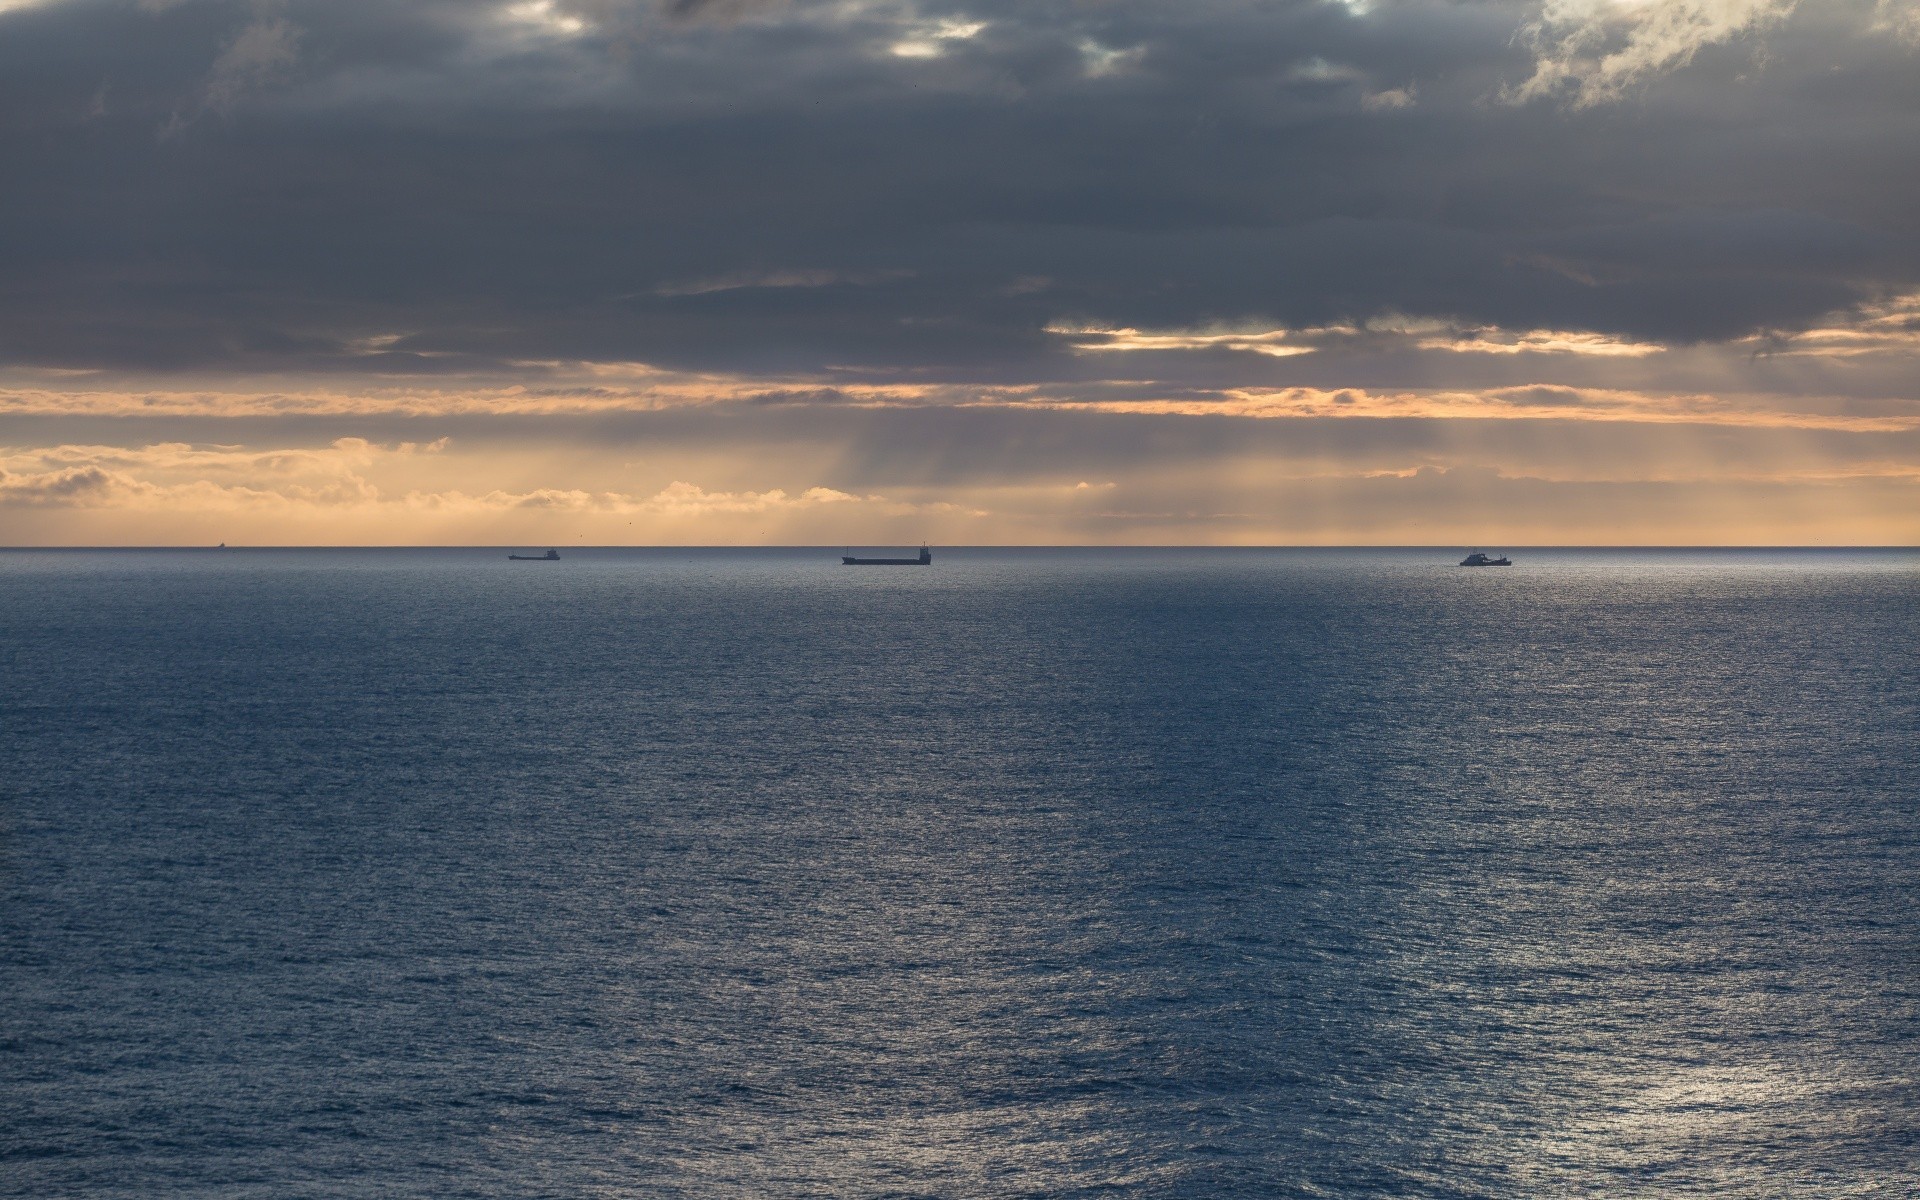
point(743, 874)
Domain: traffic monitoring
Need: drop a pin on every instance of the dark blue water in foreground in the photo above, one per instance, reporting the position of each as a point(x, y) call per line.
point(742, 874)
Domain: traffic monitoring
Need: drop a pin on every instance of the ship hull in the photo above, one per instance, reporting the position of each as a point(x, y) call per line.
point(924, 558)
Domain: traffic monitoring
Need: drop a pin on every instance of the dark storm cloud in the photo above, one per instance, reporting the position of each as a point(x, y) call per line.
point(428, 186)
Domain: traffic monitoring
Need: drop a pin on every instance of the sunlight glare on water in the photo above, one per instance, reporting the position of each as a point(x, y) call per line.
point(1162, 873)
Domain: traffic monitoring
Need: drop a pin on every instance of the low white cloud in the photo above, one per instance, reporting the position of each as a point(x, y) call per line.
point(200, 475)
point(1117, 479)
point(682, 499)
point(67, 486)
point(224, 477)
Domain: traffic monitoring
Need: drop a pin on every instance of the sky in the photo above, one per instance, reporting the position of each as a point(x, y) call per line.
point(868, 272)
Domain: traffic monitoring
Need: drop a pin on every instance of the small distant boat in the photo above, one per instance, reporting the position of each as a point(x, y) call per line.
point(1477, 559)
point(926, 557)
point(549, 556)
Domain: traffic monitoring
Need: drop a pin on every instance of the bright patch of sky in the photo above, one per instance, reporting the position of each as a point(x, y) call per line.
point(933, 40)
point(1273, 342)
point(1429, 334)
point(1097, 59)
point(541, 17)
point(1541, 341)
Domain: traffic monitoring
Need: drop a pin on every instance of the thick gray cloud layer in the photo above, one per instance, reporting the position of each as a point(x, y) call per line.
point(918, 192)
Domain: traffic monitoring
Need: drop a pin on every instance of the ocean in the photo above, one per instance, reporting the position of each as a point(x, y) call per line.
point(1155, 873)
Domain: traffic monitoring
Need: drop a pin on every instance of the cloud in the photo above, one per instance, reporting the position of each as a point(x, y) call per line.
point(1390, 99)
point(1099, 60)
point(997, 474)
point(78, 475)
point(1900, 18)
point(1849, 368)
point(336, 476)
point(1390, 331)
point(778, 193)
point(1884, 327)
point(263, 51)
point(1540, 341)
point(544, 17)
point(1319, 70)
point(759, 224)
point(1277, 343)
point(71, 485)
point(1595, 50)
point(679, 501)
point(682, 499)
point(716, 10)
point(934, 38)
point(777, 279)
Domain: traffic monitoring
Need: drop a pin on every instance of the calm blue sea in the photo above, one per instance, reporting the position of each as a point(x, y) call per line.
point(704, 874)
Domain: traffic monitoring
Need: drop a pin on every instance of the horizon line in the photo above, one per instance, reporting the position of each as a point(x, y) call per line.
point(826, 547)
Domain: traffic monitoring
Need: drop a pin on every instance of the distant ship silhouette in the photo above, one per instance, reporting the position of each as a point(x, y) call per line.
point(926, 557)
point(549, 556)
point(1477, 559)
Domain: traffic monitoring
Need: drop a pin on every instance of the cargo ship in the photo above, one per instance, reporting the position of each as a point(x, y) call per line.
point(549, 556)
point(925, 559)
